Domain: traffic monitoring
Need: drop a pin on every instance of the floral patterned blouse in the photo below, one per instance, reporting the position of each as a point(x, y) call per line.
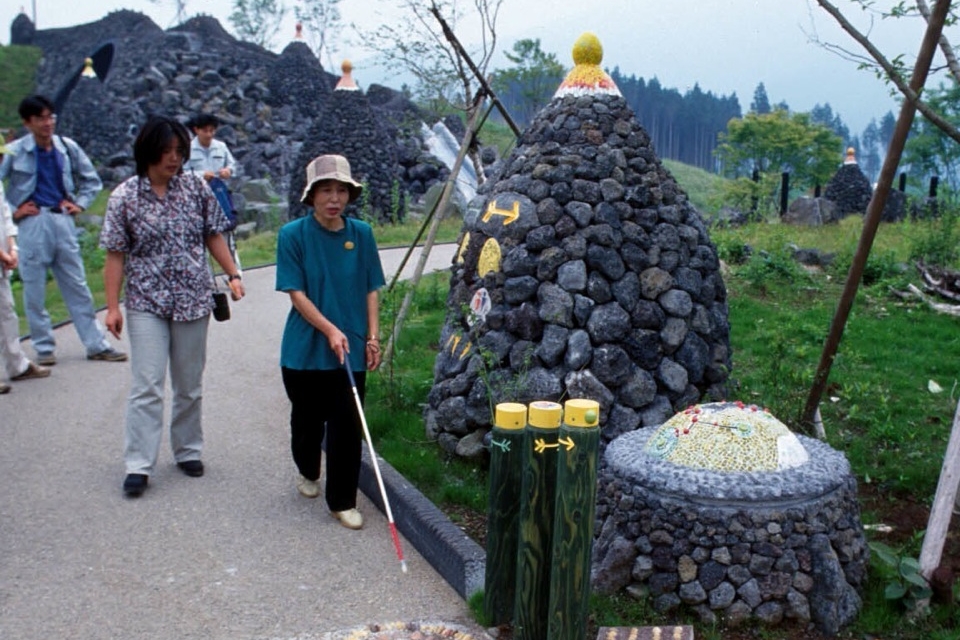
point(166, 265)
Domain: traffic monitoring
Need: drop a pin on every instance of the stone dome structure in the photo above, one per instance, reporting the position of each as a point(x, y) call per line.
point(723, 510)
point(583, 272)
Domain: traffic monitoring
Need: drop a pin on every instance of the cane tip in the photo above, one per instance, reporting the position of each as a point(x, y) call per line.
point(403, 566)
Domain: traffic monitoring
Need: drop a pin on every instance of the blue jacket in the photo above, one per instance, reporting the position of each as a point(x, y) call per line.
point(20, 166)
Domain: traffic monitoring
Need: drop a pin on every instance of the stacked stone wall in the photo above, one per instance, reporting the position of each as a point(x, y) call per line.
point(732, 547)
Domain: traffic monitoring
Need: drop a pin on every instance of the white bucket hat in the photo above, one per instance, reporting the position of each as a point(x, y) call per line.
point(330, 167)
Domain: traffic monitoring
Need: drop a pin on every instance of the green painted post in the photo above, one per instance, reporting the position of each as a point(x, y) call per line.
point(503, 511)
point(573, 522)
point(537, 501)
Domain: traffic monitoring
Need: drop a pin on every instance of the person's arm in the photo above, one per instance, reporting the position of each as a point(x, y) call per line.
point(90, 184)
point(217, 245)
point(8, 253)
point(335, 337)
point(112, 282)
point(229, 169)
point(373, 331)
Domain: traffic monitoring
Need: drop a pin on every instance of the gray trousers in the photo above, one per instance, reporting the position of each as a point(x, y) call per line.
point(156, 344)
point(14, 360)
point(49, 241)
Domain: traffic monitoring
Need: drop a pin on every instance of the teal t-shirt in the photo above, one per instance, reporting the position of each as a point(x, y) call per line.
point(335, 270)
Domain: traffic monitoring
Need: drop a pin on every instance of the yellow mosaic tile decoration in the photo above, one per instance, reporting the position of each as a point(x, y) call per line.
point(727, 436)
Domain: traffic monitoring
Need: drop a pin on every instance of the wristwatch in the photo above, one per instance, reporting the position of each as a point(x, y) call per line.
point(235, 276)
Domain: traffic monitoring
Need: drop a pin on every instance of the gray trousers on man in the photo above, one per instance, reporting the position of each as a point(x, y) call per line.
point(156, 344)
point(49, 241)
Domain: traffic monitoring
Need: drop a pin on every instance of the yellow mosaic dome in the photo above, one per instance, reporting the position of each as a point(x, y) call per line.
point(727, 436)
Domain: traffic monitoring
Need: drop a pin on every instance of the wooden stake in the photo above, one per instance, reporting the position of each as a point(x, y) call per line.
point(942, 509)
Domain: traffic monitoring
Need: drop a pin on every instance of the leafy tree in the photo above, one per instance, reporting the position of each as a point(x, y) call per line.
point(532, 82)
point(761, 103)
point(887, 125)
point(895, 70)
point(321, 22)
point(780, 141)
point(929, 149)
point(682, 127)
point(823, 114)
point(872, 150)
point(418, 45)
point(257, 21)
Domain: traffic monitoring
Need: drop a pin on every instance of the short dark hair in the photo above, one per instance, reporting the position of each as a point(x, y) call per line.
point(35, 106)
point(202, 120)
point(155, 138)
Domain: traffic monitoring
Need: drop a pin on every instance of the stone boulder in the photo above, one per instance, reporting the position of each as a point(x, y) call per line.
point(811, 212)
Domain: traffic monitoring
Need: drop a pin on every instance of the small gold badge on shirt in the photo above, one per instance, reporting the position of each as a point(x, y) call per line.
point(348, 245)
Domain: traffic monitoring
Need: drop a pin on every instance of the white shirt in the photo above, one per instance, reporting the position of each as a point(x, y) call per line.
point(213, 158)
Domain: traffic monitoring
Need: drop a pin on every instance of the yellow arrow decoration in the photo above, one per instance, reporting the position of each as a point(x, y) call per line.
point(510, 214)
point(540, 445)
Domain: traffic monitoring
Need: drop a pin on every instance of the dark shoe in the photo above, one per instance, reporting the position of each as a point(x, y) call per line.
point(46, 359)
point(4, 388)
point(135, 484)
point(32, 371)
point(109, 355)
point(193, 468)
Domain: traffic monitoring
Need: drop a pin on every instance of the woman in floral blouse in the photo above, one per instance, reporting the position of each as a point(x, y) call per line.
point(158, 226)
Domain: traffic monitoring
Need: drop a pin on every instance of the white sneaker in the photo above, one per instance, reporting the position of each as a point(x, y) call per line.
point(350, 518)
point(308, 488)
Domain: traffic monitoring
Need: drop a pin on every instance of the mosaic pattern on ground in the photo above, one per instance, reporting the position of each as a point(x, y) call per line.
point(409, 631)
point(727, 436)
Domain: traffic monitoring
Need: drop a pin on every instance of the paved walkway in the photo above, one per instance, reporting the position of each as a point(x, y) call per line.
point(237, 554)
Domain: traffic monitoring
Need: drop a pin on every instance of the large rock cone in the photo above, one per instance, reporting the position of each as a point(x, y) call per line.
point(850, 189)
point(586, 273)
point(349, 127)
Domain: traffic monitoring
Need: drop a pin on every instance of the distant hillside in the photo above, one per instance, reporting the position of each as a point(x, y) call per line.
point(702, 187)
point(18, 70)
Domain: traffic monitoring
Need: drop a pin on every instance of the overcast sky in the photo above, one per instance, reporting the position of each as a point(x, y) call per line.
point(727, 46)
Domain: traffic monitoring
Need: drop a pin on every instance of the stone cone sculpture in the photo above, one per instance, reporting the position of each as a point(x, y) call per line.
point(349, 127)
point(585, 273)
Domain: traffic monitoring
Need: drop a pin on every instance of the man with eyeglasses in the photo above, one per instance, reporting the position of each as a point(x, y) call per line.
point(51, 180)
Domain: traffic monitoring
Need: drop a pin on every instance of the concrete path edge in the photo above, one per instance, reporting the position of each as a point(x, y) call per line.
point(450, 551)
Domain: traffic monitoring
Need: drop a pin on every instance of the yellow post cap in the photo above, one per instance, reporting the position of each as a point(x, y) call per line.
point(545, 414)
point(581, 413)
point(511, 415)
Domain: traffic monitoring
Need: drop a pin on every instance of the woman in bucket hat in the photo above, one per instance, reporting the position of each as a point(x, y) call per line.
point(329, 265)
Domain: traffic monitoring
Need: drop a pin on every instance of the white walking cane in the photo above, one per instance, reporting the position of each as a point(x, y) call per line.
point(376, 467)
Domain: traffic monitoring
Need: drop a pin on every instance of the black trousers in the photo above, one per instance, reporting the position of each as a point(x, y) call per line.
point(323, 406)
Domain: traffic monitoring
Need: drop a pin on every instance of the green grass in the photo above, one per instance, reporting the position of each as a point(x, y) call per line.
point(702, 187)
point(18, 66)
